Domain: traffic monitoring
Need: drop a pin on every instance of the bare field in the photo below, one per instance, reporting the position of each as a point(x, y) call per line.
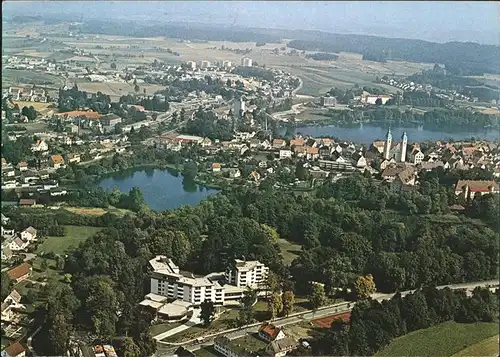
point(39, 107)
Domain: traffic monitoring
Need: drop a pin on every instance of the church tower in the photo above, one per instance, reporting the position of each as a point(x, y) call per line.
point(388, 145)
point(404, 143)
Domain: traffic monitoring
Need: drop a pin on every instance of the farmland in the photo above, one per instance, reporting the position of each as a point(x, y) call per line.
point(445, 339)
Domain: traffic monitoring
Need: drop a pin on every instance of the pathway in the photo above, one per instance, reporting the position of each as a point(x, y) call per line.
point(194, 320)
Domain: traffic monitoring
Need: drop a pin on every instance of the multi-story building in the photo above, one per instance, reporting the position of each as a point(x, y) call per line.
point(191, 65)
point(328, 101)
point(246, 62)
point(203, 64)
point(167, 280)
point(251, 273)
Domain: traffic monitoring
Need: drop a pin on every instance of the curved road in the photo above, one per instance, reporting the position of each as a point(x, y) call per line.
point(166, 349)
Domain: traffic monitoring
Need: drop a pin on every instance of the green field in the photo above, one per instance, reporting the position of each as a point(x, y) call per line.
point(487, 347)
point(445, 339)
point(74, 236)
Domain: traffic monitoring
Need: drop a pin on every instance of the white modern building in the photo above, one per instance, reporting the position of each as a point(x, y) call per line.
point(246, 62)
point(250, 273)
point(239, 105)
point(204, 64)
point(222, 288)
point(167, 280)
point(191, 65)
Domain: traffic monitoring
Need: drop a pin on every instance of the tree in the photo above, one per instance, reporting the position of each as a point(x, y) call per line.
point(60, 334)
point(274, 305)
point(6, 285)
point(288, 298)
point(137, 88)
point(317, 297)
point(113, 65)
point(207, 314)
point(190, 170)
point(129, 348)
point(378, 101)
point(364, 286)
point(44, 264)
point(246, 312)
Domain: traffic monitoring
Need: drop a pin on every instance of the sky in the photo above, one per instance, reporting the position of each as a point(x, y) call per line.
point(439, 21)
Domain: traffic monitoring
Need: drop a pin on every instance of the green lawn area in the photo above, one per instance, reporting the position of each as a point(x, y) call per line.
point(289, 250)
point(224, 322)
point(487, 347)
point(160, 328)
point(444, 339)
point(74, 236)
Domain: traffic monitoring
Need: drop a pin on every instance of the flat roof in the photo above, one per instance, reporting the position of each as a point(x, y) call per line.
point(154, 304)
point(156, 297)
point(176, 308)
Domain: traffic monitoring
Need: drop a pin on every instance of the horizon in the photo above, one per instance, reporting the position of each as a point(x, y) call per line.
point(465, 21)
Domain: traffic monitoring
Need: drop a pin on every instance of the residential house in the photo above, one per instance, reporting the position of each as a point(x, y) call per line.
point(338, 158)
point(40, 146)
point(5, 219)
point(416, 156)
point(280, 348)
point(358, 160)
point(299, 151)
point(29, 234)
point(9, 172)
point(270, 332)
point(390, 172)
point(206, 142)
point(22, 166)
point(312, 153)
point(74, 158)
point(404, 181)
point(20, 273)
point(109, 122)
point(182, 352)
point(17, 244)
point(234, 173)
point(278, 143)
point(285, 154)
point(324, 152)
point(29, 176)
point(385, 163)
point(14, 350)
point(378, 146)
point(255, 176)
point(56, 161)
point(216, 167)
point(429, 166)
point(11, 302)
point(470, 188)
point(27, 202)
point(297, 142)
point(265, 145)
point(4, 163)
point(43, 174)
point(263, 164)
point(222, 344)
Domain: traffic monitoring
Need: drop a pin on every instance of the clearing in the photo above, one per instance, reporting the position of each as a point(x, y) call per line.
point(74, 236)
point(289, 250)
point(444, 339)
point(96, 211)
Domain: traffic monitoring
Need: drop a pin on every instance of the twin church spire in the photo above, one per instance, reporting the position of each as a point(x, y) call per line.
point(388, 146)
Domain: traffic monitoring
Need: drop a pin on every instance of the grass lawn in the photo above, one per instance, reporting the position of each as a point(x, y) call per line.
point(160, 328)
point(96, 211)
point(289, 250)
point(74, 236)
point(487, 347)
point(224, 322)
point(444, 339)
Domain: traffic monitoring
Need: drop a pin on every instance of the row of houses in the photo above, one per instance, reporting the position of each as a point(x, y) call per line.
point(16, 242)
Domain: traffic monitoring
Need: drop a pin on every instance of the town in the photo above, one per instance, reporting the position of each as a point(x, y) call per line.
point(173, 196)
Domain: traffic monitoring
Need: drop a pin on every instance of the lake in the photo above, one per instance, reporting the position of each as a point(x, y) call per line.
point(367, 133)
point(162, 189)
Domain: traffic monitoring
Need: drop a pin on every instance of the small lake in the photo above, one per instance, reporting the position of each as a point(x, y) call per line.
point(162, 189)
point(367, 133)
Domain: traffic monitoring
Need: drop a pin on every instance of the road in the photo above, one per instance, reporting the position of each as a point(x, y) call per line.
point(166, 349)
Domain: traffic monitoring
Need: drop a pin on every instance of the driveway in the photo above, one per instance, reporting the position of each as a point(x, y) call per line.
point(194, 320)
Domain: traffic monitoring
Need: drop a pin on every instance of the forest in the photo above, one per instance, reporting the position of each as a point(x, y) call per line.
point(348, 229)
